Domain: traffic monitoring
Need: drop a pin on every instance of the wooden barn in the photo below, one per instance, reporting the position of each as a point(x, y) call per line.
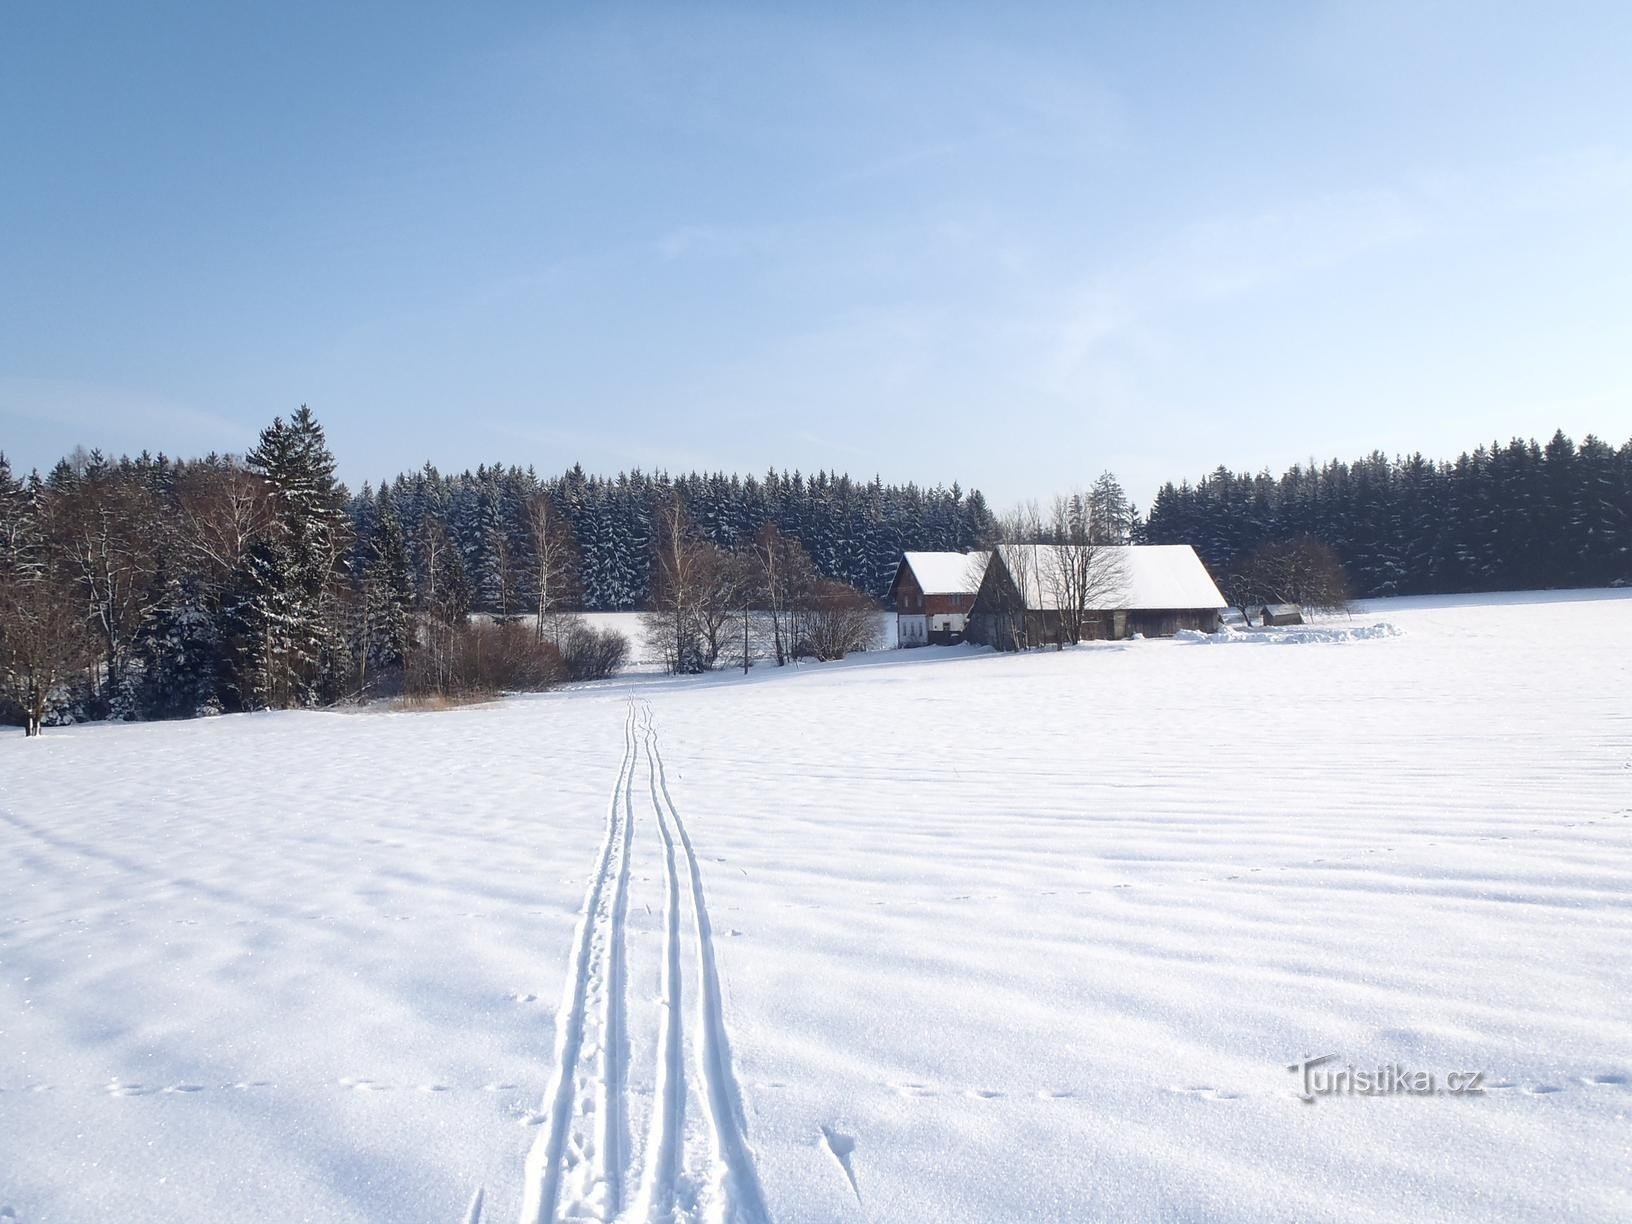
point(1028, 592)
point(1281, 614)
point(931, 595)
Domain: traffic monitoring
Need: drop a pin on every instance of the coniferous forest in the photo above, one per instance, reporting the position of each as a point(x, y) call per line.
point(1517, 517)
point(153, 587)
point(852, 530)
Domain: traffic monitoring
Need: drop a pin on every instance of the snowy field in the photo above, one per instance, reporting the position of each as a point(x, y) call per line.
point(924, 936)
point(641, 659)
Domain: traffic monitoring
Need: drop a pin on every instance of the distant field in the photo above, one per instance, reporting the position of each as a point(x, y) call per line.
point(628, 624)
point(924, 935)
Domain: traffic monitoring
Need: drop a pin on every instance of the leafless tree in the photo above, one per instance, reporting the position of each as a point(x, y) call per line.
point(670, 626)
point(1020, 539)
point(785, 577)
point(553, 565)
point(838, 620)
point(42, 631)
point(104, 530)
point(445, 596)
point(221, 509)
point(715, 602)
point(41, 645)
point(506, 575)
point(1078, 576)
point(1301, 570)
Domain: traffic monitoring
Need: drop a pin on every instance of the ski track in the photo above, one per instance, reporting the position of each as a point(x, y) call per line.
point(578, 1168)
point(660, 1187)
point(735, 1190)
point(567, 1150)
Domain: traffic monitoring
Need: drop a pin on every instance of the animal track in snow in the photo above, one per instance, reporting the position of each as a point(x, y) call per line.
point(120, 1088)
point(1207, 1092)
point(363, 1085)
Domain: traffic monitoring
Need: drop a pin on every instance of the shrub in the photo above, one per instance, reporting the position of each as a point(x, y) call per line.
point(481, 657)
point(588, 653)
point(840, 620)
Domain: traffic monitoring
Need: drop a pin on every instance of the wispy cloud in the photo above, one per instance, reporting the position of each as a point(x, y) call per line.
point(116, 418)
point(1226, 257)
point(716, 241)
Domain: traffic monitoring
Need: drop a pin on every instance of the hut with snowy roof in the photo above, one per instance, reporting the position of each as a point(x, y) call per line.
point(1043, 594)
point(1281, 614)
point(931, 595)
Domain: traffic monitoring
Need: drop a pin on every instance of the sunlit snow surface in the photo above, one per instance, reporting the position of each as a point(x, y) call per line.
point(1003, 938)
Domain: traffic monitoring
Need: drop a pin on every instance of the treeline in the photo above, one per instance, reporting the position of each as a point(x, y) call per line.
point(150, 588)
point(764, 600)
point(851, 531)
point(1514, 517)
point(153, 587)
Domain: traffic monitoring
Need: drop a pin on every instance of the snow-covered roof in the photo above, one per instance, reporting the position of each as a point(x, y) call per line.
point(1124, 577)
point(1283, 609)
point(947, 573)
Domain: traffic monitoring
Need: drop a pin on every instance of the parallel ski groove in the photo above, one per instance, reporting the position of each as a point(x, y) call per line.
point(736, 1190)
point(614, 1048)
point(579, 1166)
point(542, 1183)
point(661, 1183)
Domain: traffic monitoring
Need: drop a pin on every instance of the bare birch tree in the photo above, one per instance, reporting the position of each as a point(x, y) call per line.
point(553, 564)
point(670, 626)
point(102, 529)
point(786, 578)
point(222, 509)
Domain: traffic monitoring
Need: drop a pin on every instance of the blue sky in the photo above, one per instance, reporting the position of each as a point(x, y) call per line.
point(1008, 245)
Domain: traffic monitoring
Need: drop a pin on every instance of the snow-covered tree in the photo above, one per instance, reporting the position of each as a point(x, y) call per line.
point(292, 646)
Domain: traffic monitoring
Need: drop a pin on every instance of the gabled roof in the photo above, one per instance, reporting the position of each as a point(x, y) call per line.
point(1135, 577)
point(947, 573)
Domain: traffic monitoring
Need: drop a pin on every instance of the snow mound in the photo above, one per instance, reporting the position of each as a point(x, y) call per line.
point(1290, 635)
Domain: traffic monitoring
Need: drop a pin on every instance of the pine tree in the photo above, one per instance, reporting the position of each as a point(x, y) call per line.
point(1108, 521)
point(291, 643)
point(390, 589)
point(179, 651)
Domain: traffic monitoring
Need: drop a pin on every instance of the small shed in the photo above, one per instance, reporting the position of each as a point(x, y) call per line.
point(1282, 614)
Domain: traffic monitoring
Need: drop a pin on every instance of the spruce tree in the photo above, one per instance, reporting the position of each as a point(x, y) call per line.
point(292, 649)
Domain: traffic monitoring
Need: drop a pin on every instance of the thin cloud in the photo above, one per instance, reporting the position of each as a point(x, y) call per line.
point(117, 418)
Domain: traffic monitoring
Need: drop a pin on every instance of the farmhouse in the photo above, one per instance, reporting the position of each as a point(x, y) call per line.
point(1042, 594)
point(931, 595)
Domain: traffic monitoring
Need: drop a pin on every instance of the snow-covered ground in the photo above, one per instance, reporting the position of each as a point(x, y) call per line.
point(926, 935)
point(642, 659)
